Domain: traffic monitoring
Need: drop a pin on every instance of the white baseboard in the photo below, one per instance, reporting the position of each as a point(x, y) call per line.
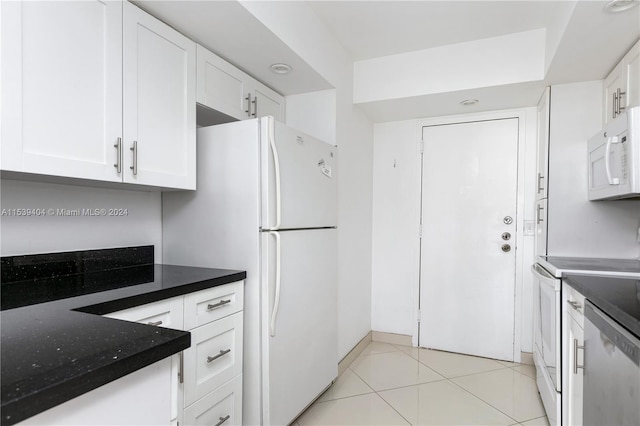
point(392, 338)
point(353, 353)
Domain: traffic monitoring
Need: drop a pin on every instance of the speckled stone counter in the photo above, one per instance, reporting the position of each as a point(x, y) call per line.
point(56, 346)
point(617, 297)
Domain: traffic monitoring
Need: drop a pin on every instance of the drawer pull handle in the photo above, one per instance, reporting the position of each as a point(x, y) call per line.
point(155, 323)
point(574, 305)
point(218, 305)
point(222, 353)
point(223, 419)
point(575, 356)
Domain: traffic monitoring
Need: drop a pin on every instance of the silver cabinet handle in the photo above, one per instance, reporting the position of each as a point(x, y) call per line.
point(620, 94)
point(574, 305)
point(154, 323)
point(134, 166)
point(614, 108)
point(222, 353)
point(223, 419)
point(248, 99)
point(538, 215)
point(218, 305)
point(118, 147)
point(181, 368)
point(255, 106)
point(575, 356)
point(540, 188)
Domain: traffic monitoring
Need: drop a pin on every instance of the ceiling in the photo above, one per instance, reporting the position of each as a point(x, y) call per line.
point(370, 29)
point(583, 42)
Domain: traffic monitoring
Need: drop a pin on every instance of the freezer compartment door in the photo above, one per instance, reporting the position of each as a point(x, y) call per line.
point(300, 343)
point(299, 179)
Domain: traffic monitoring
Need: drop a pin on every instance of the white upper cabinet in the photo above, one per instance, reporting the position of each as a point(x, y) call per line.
point(622, 85)
point(226, 89)
point(159, 103)
point(62, 88)
point(221, 86)
point(543, 145)
point(73, 102)
point(267, 102)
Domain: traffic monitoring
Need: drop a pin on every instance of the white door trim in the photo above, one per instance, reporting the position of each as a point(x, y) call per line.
point(526, 139)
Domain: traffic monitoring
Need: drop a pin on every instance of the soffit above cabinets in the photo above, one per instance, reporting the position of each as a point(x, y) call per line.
point(571, 41)
point(230, 31)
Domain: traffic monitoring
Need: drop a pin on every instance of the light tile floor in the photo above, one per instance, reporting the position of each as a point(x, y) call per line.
point(399, 385)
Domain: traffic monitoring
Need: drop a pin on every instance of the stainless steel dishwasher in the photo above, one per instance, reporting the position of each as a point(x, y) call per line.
point(611, 371)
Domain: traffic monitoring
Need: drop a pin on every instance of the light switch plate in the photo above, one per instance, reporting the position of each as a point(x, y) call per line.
point(529, 228)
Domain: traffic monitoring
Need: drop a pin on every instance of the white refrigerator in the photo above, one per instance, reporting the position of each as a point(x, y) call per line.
point(266, 202)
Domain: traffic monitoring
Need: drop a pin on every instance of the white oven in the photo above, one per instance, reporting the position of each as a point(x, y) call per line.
point(547, 334)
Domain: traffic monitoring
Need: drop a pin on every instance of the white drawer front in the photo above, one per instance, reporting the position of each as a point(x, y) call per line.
point(575, 304)
point(221, 407)
point(164, 313)
point(215, 357)
point(209, 305)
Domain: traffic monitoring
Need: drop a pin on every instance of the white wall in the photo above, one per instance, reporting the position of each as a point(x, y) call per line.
point(142, 225)
point(577, 226)
point(396, 216)
point(314, 113)
point(298, 26)
point(508, 59)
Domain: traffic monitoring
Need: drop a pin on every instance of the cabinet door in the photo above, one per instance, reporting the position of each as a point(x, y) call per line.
point(543, 145)
point(159, 103)
point(223, 406)
point(62, 87)
point(612, 84)
point(221, 86)
point(164, 313)
point(631, 64)
point(215, 357)
point(541, 227)
point(575, 359)
point(267, 102)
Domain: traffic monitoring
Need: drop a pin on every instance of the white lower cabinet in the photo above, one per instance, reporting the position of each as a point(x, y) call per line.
point(206, 383)
point(573, 356)
point(214, 358)
point(223, 406)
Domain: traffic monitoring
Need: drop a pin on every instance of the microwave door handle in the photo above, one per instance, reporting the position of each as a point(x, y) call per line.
point(607, 161)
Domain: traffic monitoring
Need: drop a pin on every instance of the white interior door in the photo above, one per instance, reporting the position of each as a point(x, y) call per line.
point(467, 284)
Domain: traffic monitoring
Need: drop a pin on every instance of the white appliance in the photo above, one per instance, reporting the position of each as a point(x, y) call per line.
point(614, 158)
point(547, 322)
point(266, 202)
point(547, 317)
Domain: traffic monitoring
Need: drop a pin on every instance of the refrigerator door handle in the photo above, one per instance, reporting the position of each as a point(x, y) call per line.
point(276, 164)
point(276, 301)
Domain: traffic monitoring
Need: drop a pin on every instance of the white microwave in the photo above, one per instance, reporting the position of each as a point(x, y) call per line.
point(614, 158)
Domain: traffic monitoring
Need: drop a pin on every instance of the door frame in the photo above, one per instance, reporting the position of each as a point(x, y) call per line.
point(525, 198)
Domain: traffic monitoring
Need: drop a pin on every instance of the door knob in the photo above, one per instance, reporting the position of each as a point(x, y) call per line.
point(506, 236)
point(506, 248)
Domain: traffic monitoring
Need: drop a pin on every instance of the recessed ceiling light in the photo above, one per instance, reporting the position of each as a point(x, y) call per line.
point(281, 68)
point(615, 6)
point(469, 102)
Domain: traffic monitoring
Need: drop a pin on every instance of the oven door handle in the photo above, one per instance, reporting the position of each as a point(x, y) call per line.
point(544, 276)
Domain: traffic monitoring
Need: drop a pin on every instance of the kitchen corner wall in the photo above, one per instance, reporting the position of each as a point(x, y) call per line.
point(577, 226)
point(58, 230)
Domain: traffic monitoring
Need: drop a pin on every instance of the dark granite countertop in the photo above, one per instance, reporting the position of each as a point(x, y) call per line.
point(616, 296)
point(56, 346)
